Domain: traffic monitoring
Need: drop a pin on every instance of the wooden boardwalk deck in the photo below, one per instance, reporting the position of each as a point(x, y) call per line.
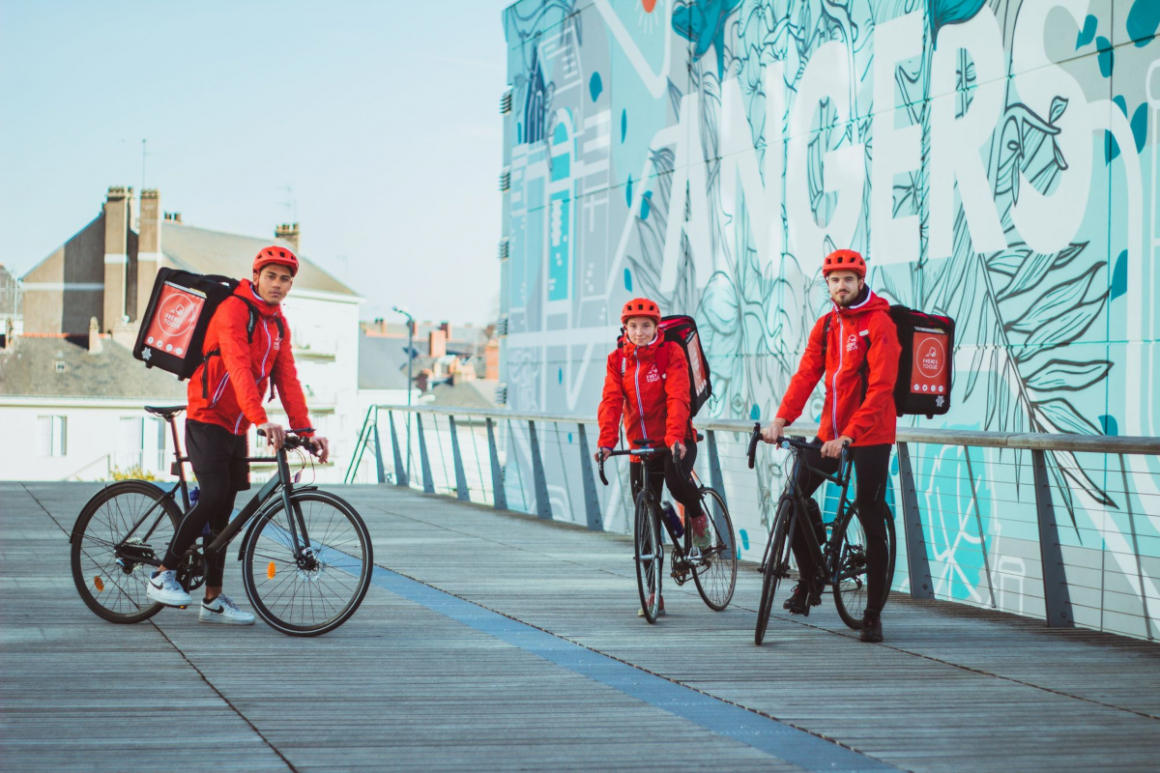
point(503, 642)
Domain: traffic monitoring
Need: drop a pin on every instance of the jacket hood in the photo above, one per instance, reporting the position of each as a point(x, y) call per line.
point(246, 290)
point(630, 348)
point(870, 302)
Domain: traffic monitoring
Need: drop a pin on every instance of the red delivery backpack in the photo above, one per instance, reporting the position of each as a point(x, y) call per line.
point(682, 329)
point(175, 320)
point(925, 365)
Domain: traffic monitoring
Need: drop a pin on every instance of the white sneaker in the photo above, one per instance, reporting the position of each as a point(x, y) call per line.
point(223, 610)
point(163, 587)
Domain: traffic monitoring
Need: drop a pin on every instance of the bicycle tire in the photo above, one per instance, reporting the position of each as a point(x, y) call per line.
point(112, 591)
point(719, 572)
point(776, 563)
point(344, 562)
point(649, 556)
point(850, 592)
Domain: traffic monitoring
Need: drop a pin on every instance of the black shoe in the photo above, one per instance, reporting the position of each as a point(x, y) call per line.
point(871, 628)
point(797, 602)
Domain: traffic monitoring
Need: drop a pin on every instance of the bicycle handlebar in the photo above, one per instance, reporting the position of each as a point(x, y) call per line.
point(294, 439)
point(785, 443)
point(642, 451)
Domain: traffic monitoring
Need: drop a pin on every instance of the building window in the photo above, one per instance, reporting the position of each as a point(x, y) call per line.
point(51, 436)
point(141, 443)
point(131, 442)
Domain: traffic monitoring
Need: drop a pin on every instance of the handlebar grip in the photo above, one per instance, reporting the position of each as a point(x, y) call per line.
point(753, 438)
point(603, 479)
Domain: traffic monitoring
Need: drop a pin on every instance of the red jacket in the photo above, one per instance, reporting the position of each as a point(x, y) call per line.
point(861, 334)
point(227, 388)
point(654, 405)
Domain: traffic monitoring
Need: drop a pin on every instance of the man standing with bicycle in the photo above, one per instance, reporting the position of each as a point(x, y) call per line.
point(247, 350)
point(855, 346)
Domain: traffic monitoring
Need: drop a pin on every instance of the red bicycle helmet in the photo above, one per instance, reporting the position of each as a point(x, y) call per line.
point(640, 307)
point(279, 255)
point(844, 260)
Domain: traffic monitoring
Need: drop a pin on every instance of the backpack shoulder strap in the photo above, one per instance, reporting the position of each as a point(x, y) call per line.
point(253, 321)
point(826, 336)
point(662, 357)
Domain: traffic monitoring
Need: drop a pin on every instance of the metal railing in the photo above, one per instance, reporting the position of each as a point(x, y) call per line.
point(1009, 521)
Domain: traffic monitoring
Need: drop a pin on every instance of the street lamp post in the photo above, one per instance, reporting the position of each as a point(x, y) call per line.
point(410, 383)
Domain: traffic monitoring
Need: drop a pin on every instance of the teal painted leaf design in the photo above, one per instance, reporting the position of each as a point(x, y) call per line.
point(1067, 327)
point(1008, 262)
point(1059, 298)
point(1063, 417)
point(1066, 376)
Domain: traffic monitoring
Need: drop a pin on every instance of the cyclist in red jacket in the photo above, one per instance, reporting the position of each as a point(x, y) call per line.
point(647, 384)
point(859, 359)
point(247, 352)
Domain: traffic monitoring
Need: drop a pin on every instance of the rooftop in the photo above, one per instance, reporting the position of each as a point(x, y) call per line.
point(216, 252)
point(54, 367)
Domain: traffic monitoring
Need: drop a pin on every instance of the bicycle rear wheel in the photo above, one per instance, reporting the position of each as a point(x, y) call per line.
point(776, 566)
point(319, 591)
point(716, 574)
point(649, 555)
point(850, 590)
point(109, 581)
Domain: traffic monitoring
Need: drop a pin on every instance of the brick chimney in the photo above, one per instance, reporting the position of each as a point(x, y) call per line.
point(95, 346)
point(118, 213)
point(437, 340)
point(148, 247)
point(288, 232)
point(446, 328)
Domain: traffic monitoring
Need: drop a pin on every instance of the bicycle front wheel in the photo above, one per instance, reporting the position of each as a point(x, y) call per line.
point(315, 592)
point(850, 588)
point(650, 557)
point(776, 565)
point(109, 565)
point(716, 573)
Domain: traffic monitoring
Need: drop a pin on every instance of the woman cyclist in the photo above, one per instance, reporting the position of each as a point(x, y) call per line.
point(647, 384)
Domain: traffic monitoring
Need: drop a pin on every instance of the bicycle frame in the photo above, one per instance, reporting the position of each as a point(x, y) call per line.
point(263, 498)
point(824, 558)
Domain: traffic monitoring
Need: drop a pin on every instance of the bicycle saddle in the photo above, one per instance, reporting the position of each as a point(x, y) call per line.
point(166, 412)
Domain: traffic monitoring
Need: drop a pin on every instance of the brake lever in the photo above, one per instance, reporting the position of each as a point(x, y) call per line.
point(753, 438)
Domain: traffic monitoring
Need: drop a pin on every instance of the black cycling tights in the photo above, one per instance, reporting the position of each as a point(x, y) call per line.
point(664, 469)
point(214, 504)
point(872, 468)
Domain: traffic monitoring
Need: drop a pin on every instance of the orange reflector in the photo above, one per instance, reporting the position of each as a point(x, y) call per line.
point(100, 585)
point(270, 570)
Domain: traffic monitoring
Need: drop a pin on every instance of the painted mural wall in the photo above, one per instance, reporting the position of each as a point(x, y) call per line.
point(994, 161)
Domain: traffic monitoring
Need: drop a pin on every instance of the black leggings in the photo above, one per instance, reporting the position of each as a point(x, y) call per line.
point(664, 469)
point(872, 468)
point(215, 502)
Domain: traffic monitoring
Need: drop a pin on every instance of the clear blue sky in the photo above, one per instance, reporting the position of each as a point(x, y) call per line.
point(381, 115)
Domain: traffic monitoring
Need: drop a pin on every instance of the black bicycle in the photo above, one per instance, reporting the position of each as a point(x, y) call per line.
point(713, 568)
point(306, 554)
point(840, 559)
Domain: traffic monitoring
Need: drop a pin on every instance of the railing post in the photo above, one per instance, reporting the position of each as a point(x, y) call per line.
point(499, 496)
point(461, 492)
point(591, 500)
point(400, 471)
point(356, 457)
point(979, 521)
point(428, 481)
point(543, 506)
point(715, 476)
point(921, 584)
point(1056, 595)
point(382, 473)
